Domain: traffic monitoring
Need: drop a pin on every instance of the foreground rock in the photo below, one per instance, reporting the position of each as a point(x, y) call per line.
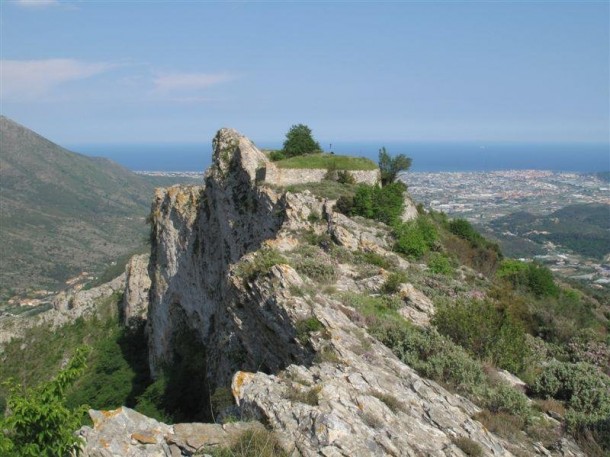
point(126, 433)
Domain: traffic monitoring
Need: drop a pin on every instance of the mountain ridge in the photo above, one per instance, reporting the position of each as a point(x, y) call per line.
point(62, 212)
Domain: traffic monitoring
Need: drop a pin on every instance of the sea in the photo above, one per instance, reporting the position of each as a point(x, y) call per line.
point(427, 157)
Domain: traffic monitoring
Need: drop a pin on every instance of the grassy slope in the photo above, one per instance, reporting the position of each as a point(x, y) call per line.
point(326, 161)
point(62, 212)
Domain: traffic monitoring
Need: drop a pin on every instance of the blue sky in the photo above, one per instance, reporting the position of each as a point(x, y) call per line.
point(145, 72)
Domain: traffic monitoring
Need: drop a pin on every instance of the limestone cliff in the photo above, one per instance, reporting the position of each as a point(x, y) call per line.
point(255, 275)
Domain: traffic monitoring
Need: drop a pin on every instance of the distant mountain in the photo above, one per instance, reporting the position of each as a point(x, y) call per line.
point(62, 213)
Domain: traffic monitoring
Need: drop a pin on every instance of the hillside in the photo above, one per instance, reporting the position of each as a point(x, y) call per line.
point(61, 212)
point(581, 228)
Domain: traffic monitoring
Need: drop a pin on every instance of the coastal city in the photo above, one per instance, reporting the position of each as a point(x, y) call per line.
point(486, 197)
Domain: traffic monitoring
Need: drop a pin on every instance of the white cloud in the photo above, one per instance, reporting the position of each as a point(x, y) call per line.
point(37, 3)
point(189, 81)
point(26, 79)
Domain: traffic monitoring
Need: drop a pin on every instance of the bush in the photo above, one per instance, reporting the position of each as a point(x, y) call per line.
point(585, 390)
point(531, 277)
point(432, 355)
point(393, 282)
point(384, 204)
point(39, 423)
point(316, 270)
point(345, 177)
point(277, 155)
point(506, 399)
point(410, 240)
point(262, 262)
point(487, 332)
point(307, 326)
point(440, 264)
point(465, 230)
point(415, 238)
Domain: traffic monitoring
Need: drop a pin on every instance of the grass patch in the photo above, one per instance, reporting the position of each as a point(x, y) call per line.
point(307, 396)
point(262, 262)
point(258, 443)
point(389, 400)
point(325, 161)
point(468, 446)
point(326, 189)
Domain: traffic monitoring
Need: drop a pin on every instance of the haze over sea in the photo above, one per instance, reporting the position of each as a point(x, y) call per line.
point(427, 157)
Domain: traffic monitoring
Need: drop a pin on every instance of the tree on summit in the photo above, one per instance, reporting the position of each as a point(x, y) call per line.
point(299, 141)
point(391, 166)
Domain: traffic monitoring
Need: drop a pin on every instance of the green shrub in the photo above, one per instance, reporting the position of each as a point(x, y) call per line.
point(316, 270)
point(415, 238)
point(531, 277)
point(385, 204)
point(260, 265)
point(372, 258)
point(432, 355)
point(277, 155)
point(307, 326)
point(410, 240)
point(582, 386)
point(507, 399)
point(345, 177)
point(465, 230)
point(221, 399)
point(487, 332)
point(388, 202)
point(393, 282)
point(440, 264)
point(39, 423)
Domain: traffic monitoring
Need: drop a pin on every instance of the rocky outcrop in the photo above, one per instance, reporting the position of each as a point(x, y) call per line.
point(126, 433)
point(264, 281)
point(84, 299)
point(137, 287)
point(67, 307)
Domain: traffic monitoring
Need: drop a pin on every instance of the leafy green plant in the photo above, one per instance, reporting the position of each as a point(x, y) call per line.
point(316, 270)
point(260, 264)
point(38, 422)
point(307, 326)
point(585, 390)
point(415, 238)
point(393, 282)
point(487, 332)
point(532, 277)
point(439, 264)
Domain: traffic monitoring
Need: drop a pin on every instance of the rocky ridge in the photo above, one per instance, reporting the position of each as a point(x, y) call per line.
point(231, 264)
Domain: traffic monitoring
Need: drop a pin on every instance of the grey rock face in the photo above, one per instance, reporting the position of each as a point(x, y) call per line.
point(334, 391)
point(137, 287)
